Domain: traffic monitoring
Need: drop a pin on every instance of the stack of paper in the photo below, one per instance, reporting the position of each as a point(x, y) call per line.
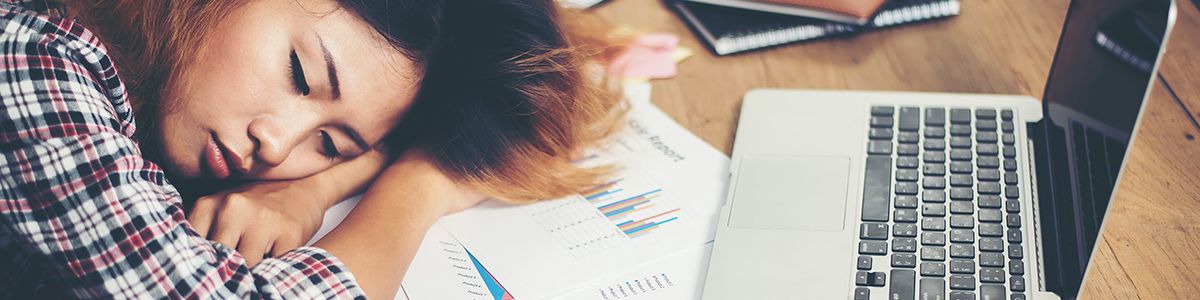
point(645, 233)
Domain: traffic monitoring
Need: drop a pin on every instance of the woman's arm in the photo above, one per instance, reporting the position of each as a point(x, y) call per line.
point(379, 238)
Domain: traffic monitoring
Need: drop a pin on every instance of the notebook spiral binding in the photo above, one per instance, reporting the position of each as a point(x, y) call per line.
point(761, 39)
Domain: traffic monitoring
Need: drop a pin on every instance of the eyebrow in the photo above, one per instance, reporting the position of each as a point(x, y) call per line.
point(331, 70)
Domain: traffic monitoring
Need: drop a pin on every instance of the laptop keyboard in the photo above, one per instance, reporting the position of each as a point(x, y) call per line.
point(941, 206)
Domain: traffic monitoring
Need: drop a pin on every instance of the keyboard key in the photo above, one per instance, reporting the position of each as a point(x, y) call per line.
point(1006, 115)
point(904, 245)
point(960, 295)
point(907, 175)
point(935, 132)
point(904, 230)
point(961, 207)
point(1017, 284)
point(1010, 178)
point(1012, 206)
point(961, 266)
point(882, 110)
point(903, 285)
point(992, 260)
point(1016, 267)
point(906, 201)
point(877, 189)
point(961, 154)
point(988, 175)
point(962, 282)
point(1015, 251)
point(880, 134)
point(933, 196)
point(910, 118)
point(935, 116)
point(881, 122)
point(1008, 138)
point(933, 224)
point(987, 149)
point(932, 288)
point(961, 180)
point(1006, 126)
point(870, 278)
point(988, 162)
point(907, 162)
point(906, 216)
point(1014, 236)
point(933, 210)
point(933, 239)
point(990, 230)
point(862, 293)
point(906, 187)
point(865, 262)
point(1009, 151)
point(872, 247)
point(1018, 296)
point(1010, 164)
point(990, 244)
point(909, 137)
point(934, 253)
point(1012, 192)
point(988, 188)
point(989, 201)
point(963, 193)
point(985, 113)
point(960, 130)
point(879, 147)
point(935, 145)
point(991, 292)
point(873, 231)
point(985, 125)
point(936, 183)
point(904, 260)
point(962, 251)
point(935, 169)
point(962, 222)
point(960, 142)
point(1012, 220)
point(960, 116)
point(989, 137)
point(990, 216)
point(908, 149)
point(960, 167)
point(933, 268)
point(962, 236)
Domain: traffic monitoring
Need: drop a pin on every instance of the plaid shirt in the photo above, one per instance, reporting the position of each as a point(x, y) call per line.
point(81, 212)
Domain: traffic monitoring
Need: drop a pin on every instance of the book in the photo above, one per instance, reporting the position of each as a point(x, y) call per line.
point(856, 12)
point(728, 30)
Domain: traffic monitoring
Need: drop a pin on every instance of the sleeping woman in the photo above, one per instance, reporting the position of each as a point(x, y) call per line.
point(114, 109)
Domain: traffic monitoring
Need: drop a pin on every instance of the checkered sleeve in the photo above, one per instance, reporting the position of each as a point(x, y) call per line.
point(81, 204)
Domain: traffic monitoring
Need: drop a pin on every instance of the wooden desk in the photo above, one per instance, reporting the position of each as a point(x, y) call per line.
point(1150, 245)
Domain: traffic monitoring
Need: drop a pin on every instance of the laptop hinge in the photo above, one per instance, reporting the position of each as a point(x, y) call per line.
point(1035, 130)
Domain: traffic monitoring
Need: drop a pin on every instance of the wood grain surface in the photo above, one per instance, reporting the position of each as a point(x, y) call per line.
point(1150, 243)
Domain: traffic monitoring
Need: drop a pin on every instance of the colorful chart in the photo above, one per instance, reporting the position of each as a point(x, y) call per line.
point(607, 215)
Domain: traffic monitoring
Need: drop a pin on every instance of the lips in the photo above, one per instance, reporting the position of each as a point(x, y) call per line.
point(221, 162)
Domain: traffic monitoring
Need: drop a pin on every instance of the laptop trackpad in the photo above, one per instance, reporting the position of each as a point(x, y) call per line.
point(791, 192)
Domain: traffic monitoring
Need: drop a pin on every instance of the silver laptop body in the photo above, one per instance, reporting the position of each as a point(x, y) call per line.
point(843, 195)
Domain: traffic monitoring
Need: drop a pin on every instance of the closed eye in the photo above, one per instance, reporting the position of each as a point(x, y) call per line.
point(297, 70)
point(328, 148)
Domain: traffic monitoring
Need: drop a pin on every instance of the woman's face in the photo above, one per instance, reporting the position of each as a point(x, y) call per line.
point(283, 89)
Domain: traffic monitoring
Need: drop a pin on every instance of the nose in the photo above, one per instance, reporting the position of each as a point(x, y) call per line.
point(274, 139)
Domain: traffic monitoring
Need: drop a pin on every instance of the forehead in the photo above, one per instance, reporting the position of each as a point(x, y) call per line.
point(376, 80)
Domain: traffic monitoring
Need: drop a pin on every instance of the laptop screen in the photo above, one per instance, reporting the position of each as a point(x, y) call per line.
point(1102, 70)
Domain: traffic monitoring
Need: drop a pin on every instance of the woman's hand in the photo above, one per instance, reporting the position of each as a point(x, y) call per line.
point(263, 218)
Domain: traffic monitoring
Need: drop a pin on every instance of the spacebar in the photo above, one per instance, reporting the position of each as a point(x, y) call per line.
point(877, 188)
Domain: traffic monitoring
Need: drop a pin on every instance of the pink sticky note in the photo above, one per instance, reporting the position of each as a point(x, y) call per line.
point(650, 56)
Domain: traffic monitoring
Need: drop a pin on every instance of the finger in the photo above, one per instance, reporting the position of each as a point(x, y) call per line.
point(253, 245)
point(227, 233)
point(285, 243)
point(202, 215)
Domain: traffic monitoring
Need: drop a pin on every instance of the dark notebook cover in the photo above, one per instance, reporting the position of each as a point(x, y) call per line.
point(730, 30)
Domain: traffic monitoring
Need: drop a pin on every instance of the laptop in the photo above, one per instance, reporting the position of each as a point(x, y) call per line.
point(893, 195)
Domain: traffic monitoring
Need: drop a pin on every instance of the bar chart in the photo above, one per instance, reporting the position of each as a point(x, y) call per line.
point(607, 215)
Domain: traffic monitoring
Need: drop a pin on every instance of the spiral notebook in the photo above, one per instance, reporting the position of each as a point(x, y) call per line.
point(731, 30)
